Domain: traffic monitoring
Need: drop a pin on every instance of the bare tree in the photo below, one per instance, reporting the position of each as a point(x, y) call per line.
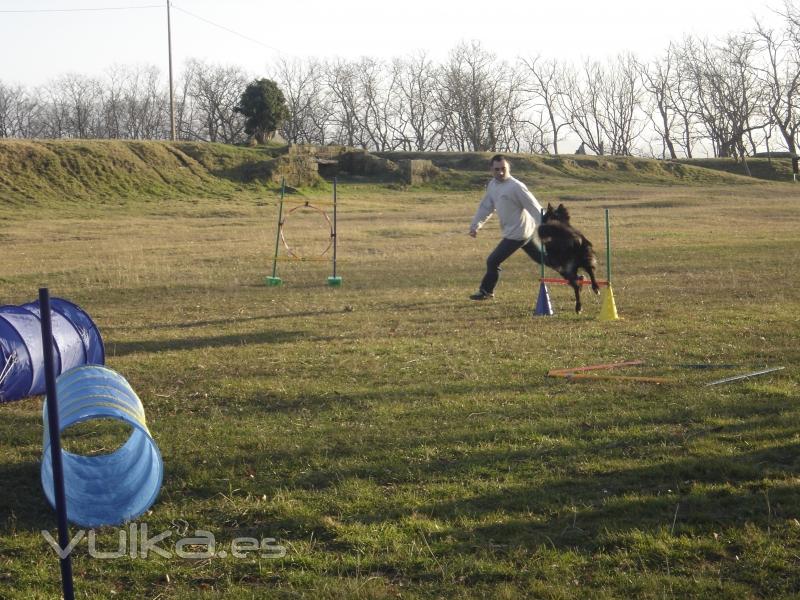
point(215, 92)
point(781, 78)
point(510, 119)
point(24, 113)
point(20, 114)
point(656, 78)
point(473, 95)
point(535, 134)
point(415, 99)
point(112, 107)
point(341, 79)
point(146, 102)
point(725, 91)
point(622, 101)
point(377, 86)
point(547, 82)
point(582, 105)
point(77, 100)
point(680, 98)
point(603, 106)
point(185, 119)
point(309, 111)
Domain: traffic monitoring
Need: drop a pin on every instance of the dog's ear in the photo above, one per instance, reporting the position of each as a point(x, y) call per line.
point(549, 207)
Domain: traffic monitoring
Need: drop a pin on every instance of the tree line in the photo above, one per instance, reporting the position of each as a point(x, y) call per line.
point(729, 97)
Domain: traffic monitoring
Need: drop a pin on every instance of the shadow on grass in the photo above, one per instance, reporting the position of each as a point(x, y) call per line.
point(574, 500)
point(23, 505)
point(235, 320)
point(221, 341)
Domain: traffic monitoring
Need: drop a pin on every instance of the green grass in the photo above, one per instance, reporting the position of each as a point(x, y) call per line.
point(401, 441)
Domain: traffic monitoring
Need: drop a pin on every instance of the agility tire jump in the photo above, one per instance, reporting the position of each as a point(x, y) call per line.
point(334, 280)
point(76, 341)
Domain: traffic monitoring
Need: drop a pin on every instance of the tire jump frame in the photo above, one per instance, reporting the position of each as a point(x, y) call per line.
point(608, 309)
point(334, 280)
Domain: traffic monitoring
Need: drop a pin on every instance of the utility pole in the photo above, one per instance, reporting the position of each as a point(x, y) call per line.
point(171, 93)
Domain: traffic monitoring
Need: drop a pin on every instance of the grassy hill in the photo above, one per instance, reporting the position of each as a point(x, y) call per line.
point(58, 172)
point(55, 171)
point(464, 167)
point(776, 169)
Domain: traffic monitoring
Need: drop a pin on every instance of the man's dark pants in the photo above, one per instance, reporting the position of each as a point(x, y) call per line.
point(504, 249)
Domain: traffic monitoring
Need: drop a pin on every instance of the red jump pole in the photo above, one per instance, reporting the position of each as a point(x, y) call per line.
point(583, 281)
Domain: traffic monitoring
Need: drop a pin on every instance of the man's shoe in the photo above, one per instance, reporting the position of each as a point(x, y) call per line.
point(481, 295)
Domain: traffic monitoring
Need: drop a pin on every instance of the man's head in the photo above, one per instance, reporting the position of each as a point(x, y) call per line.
point(500, 167)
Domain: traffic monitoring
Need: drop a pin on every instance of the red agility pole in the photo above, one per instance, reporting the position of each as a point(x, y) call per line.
point(556, 280)
point(609, 377)
point(572, 374)
point(563, 372)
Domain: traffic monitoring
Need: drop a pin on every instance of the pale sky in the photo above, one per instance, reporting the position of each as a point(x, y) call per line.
point(36, 46)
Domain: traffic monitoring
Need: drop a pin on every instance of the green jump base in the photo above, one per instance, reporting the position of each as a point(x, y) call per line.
point(273, 281)
point(335, 281)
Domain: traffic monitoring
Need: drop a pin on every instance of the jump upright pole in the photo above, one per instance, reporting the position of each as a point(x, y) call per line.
point(334, 280)
point(55, 442)
point(274, 279)
point(544, 307)
point(608, 310)
point(608, 249)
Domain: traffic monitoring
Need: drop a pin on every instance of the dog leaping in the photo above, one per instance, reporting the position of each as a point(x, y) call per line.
point(567, 250)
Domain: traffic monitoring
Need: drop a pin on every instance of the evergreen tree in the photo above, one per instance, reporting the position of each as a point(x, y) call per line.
point(264, 108)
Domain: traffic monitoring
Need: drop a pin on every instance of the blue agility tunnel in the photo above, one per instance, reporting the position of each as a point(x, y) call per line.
point(104, 489)
point(76, 341)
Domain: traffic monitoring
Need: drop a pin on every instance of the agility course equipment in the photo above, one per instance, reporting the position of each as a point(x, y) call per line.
point(105, 489)
point(625, 363)
point(745, 376)
point(608, 308)
point(579, 373)
point(51, 401)
point(334, 280)
point(76, 340)
point(544, 308)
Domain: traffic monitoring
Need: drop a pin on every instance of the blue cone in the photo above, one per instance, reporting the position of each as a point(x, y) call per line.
point(543, 306)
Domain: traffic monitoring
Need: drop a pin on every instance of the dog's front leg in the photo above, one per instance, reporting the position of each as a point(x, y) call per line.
point(595, 285)
point(572, 280)
point(577, 288)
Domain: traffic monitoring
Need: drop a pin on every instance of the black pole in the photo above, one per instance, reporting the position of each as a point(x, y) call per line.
point(55, 441)
point(334, 227)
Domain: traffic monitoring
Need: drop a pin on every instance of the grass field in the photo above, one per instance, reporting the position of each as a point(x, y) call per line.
point(400, 441)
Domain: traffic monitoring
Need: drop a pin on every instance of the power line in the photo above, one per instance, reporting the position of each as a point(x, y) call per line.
point(241, 35)
point(146, 6)
point(62, 10)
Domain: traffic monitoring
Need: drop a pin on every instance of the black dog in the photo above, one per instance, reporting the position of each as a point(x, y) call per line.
point(567, 250)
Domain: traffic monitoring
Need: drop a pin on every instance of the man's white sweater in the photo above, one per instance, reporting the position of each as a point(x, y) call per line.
point(519, 212)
